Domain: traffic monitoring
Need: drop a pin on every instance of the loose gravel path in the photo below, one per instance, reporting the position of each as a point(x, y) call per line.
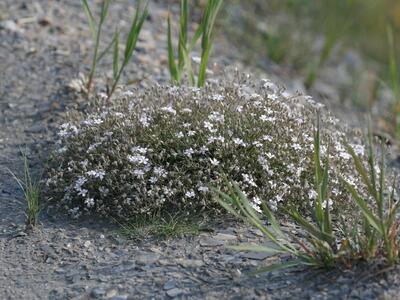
point(43, 46)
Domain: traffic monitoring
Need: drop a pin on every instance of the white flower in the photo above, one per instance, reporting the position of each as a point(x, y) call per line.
point(138, 159)
point(239, 142)
point(169, 109)
point(218, 97)
point(188, 152)
point(190, 194)
point(153, 179)
point(89, 202)
point(96, 174)
point(144, 120)
point(256, 207)
point(128, 94)
point(249, 179)
point(186, 110)
point(267, 138)
point(203, 189)
point(92, 121)
point(179, 135)
point(296, 147)
point(214, 161)
point(265, 118)
point(345, 155)
point(203, 150)
point(191, 133)
point(139, 173)
point(239, 108)
point(138, 149)
point(208, 126)
point(216, 117)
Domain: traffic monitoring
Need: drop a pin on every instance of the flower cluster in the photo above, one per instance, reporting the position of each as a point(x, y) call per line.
point(164, 147)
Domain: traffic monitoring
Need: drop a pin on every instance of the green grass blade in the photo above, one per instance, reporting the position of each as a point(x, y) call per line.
point(133, 35)
point(203, 67)
point(258, 248)
point(310, 228)
point(116, 55)
point(171, 57)
point(106, 50)
point(188, 65)
point(91, 21)
point(360, 169)
point(362, 204)
point(272, 220)
point(183, 33)
point(104, 11)
point(280, 266)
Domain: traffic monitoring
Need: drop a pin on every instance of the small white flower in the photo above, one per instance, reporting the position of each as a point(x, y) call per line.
point(89, 202)
point(190, 194)
point(179, 135)
point(191, 133)
point(296, 147)
point(214, 161)
point(239, 142)
point(139, 173)
point(138, 159)
point(96, 174)
point(203, 189)
point(169, 109)
point(189, 152)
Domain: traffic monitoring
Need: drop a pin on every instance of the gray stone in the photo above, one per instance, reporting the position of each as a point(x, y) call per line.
point(147, 258)
point(175, 292)
point(210, 242)
point(170, 284)
point(97, 292)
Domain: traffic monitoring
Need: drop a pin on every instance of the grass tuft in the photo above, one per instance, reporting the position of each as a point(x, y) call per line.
point(316, 243)
point(160, 226)
point(130, 43)
point(204, 32)
point(31, 190)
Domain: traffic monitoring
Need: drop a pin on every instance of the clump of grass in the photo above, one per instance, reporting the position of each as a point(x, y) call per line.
point(317, 244)
point(31, 189)
point(130, 43)
point(160, 226)
point(204, 31)
point(381, 215)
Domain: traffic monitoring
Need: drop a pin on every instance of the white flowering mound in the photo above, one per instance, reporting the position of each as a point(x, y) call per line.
point(164, 147)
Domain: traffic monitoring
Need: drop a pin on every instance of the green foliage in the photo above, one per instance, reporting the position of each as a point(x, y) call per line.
point(31, 189)
point(204, 32)
point(160, 226)
point(130, 42)
point(315, 243)
point(380, 218)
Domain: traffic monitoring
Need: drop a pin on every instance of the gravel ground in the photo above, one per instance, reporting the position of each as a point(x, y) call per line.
point(43, 46)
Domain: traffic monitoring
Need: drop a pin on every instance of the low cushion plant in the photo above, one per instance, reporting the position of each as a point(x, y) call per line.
point(162, 148)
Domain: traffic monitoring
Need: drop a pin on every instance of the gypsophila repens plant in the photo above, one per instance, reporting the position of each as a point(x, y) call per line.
point(204, 31)
point(161, 149)
point(130, 44)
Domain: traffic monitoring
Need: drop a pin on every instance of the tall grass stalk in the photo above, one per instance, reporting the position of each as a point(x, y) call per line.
point(130, 43)
point(204, 32)
point(394, 79)
point(96, 32)
point(31, 190)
